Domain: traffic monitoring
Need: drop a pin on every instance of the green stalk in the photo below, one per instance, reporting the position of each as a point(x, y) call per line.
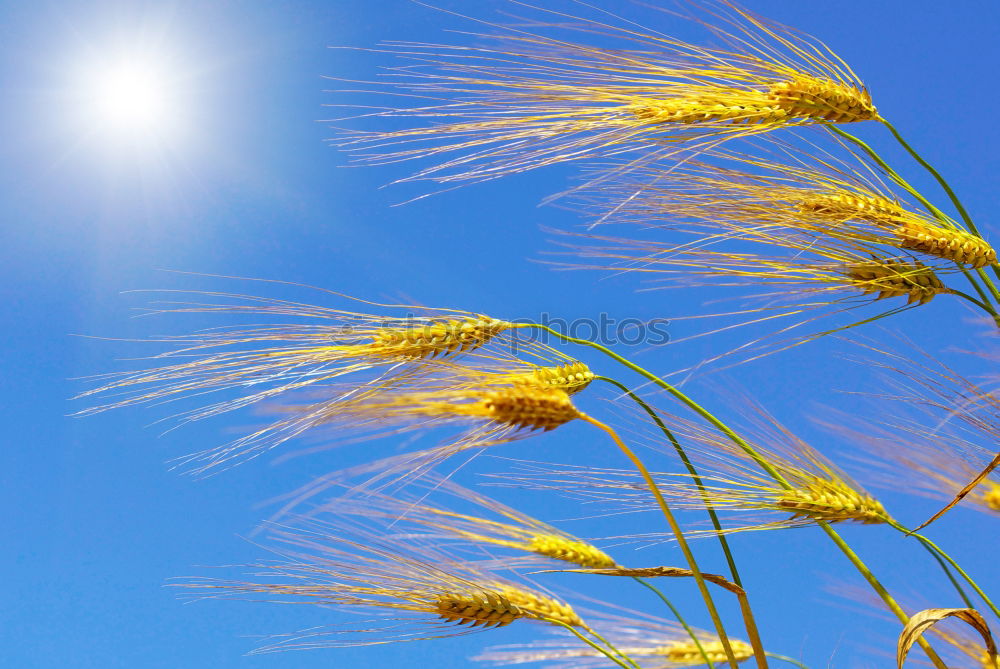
point(790, 660)
point(679, 618)
point(723, 542)
point(748, 618)
point(766, 466)
point(951, 577)
point(937, 175)
point(676, 529)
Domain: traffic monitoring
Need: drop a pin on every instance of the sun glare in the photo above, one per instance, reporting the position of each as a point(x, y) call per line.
point(130, 100)
point(130, 97)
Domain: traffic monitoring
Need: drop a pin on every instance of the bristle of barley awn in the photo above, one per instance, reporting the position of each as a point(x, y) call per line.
point(896, 278)
point(957, 245)
point(572, 377)
point(490, 609)
point(438, 338)
point(567, 550)
point(991, 498)
point(528, 407)
point(833, 502)
point(823, 99)
point(537, 606)
point(686, 654)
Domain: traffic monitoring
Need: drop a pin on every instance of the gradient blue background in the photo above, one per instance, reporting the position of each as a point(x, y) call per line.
point(94, 523)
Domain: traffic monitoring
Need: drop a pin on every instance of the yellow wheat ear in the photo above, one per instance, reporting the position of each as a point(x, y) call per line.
point(538, 97)
point(686, 654)
point(538, 606)
point(516, 530)
point(830, 500)
point(406, 588)
point(889, 277)
point(534, 408)
point(733, 484)
point(489, 609)
point(317, 345)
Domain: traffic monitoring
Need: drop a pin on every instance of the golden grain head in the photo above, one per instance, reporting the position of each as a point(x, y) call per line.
point(436, 338)
point(571, 377)
point(956, 245)
point(569, 550)
point(489, 609)
point(890, 277)
point(823, 100)
point(686, 654)
point(527, 407)
point(534, 99)
point(832, 501)
point(846, 205)
point(748, 107)
point(537, 606)
point(795, 101)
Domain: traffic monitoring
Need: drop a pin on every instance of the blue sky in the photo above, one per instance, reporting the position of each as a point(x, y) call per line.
point(243, 183)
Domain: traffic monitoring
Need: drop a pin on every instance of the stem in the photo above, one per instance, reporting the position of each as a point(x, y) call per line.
point(893, 174)
point(879, 589)
point(748, 618)
point(937, 175)
point(581, 637)
point(766, 466)
point(675, 528)
point(632, 663)
point(680, 619)
point(790, 660)
point(951, 577)
point(934, 547)
point(986, 307)
point(691, 470)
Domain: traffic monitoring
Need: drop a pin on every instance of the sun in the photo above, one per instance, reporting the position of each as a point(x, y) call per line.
point(131, 99)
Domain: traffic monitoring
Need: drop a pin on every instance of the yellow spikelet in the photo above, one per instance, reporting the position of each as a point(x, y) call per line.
point(746, 108)
point(844, 205)
point(823, 99)
point(572, 377)
point(957, 245)
point(896, 278)
point(525, 407)
point(912, 231)
point(686, 654)
point(488, 609)
point(434, 339)
point(567, 550)
point(538, 606)
point(522, 532)
point(732, 483)
point(832, 501)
